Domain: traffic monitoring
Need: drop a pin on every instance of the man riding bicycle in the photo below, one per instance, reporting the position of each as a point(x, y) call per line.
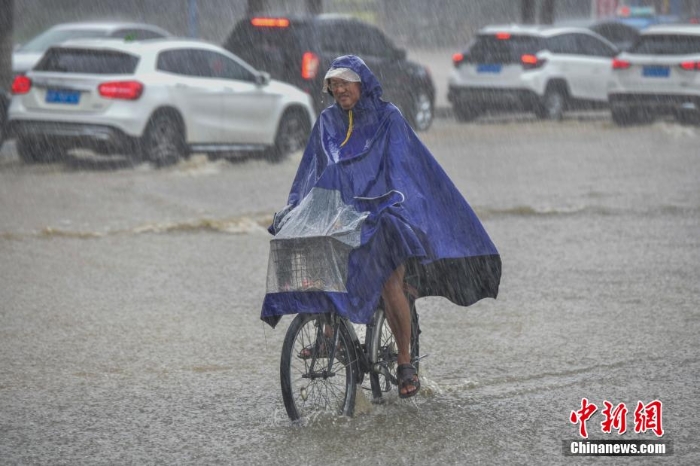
point(389, 213)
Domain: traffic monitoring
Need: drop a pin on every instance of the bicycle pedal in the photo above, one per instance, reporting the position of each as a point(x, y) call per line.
point(380, 368)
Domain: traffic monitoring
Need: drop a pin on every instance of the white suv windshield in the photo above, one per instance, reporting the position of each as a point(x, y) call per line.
point(87, 61)
point(667, 44)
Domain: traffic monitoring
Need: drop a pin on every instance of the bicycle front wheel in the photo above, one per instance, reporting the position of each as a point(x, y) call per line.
point(384, 353)
point(312, 382)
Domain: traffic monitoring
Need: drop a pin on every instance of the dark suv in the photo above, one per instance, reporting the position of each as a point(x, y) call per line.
point(299, 50)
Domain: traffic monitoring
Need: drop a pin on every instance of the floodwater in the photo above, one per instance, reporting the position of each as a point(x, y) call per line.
point(130, 299)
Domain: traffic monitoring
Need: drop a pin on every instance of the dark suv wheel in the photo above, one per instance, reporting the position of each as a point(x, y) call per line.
point(421, 111)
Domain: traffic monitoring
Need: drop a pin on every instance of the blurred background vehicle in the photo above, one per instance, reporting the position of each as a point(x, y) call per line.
point(545, 70)
point(659, 75)
point(299, 50)
point(158, 100)
point(623, 29)
point(621, 35)
point(27, 55)
point(641, 17)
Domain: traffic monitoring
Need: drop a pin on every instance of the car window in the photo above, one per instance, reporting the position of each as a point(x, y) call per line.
point(667, 44)
point(616, 32)
point(591, 46)
point(372, 42)
point(136, 34)
point(564, 44)
point(223, 67)
point(338, 39)
point(202, 64)
point(184, 62)
point(87, 61)
point(503, 48)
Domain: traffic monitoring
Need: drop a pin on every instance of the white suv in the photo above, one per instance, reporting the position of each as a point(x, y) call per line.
point(660, 74)
point(156, 100)
point(531, 68)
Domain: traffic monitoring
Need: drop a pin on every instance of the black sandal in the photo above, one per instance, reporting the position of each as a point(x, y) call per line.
point(408, 377)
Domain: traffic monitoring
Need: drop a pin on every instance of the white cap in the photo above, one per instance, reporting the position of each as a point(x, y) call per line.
point(345, 74)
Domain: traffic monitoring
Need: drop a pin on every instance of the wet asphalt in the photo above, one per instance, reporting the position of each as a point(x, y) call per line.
point(130, 300)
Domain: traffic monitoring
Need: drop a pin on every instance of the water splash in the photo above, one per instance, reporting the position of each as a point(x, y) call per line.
point(198, 165)
point(251, 224)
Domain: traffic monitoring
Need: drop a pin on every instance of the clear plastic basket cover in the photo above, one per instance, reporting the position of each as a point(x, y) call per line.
point(310, 251)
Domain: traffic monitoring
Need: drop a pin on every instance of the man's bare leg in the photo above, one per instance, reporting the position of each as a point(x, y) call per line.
point(398, 314)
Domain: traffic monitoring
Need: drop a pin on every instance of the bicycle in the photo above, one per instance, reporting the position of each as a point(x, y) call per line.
point(323, 361)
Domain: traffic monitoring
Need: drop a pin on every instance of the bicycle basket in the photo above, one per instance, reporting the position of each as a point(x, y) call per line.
point(307, 264)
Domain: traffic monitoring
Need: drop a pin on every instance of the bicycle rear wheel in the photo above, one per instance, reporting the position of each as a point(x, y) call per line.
point(383, 350)
point(313, 384)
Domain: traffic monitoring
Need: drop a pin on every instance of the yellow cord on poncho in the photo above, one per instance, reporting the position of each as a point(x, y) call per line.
point(349, 129)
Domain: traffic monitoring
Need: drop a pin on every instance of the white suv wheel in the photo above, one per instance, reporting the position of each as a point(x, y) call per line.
point(291, 135)
point(163, 142)
point(553, 104)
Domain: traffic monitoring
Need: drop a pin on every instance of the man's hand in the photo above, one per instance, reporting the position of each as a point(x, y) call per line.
point(278, 220)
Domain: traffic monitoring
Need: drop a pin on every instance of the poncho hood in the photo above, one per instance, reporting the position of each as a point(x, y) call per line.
point(371, 89)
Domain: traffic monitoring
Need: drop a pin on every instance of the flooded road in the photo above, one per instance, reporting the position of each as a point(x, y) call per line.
point(130, 331)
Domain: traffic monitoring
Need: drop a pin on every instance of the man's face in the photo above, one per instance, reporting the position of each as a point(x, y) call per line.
point(346, 93)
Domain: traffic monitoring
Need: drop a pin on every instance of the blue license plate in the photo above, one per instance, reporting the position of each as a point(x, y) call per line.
point(488, 68)
point(60, 96)
point(656, 71)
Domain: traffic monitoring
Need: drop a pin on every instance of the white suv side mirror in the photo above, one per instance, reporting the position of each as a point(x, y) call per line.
point(263, 78)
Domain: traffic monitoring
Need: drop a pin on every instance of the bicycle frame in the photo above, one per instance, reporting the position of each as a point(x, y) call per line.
point(361, 357)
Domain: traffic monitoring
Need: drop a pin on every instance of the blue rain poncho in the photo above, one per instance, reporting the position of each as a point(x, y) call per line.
point(358, 211)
